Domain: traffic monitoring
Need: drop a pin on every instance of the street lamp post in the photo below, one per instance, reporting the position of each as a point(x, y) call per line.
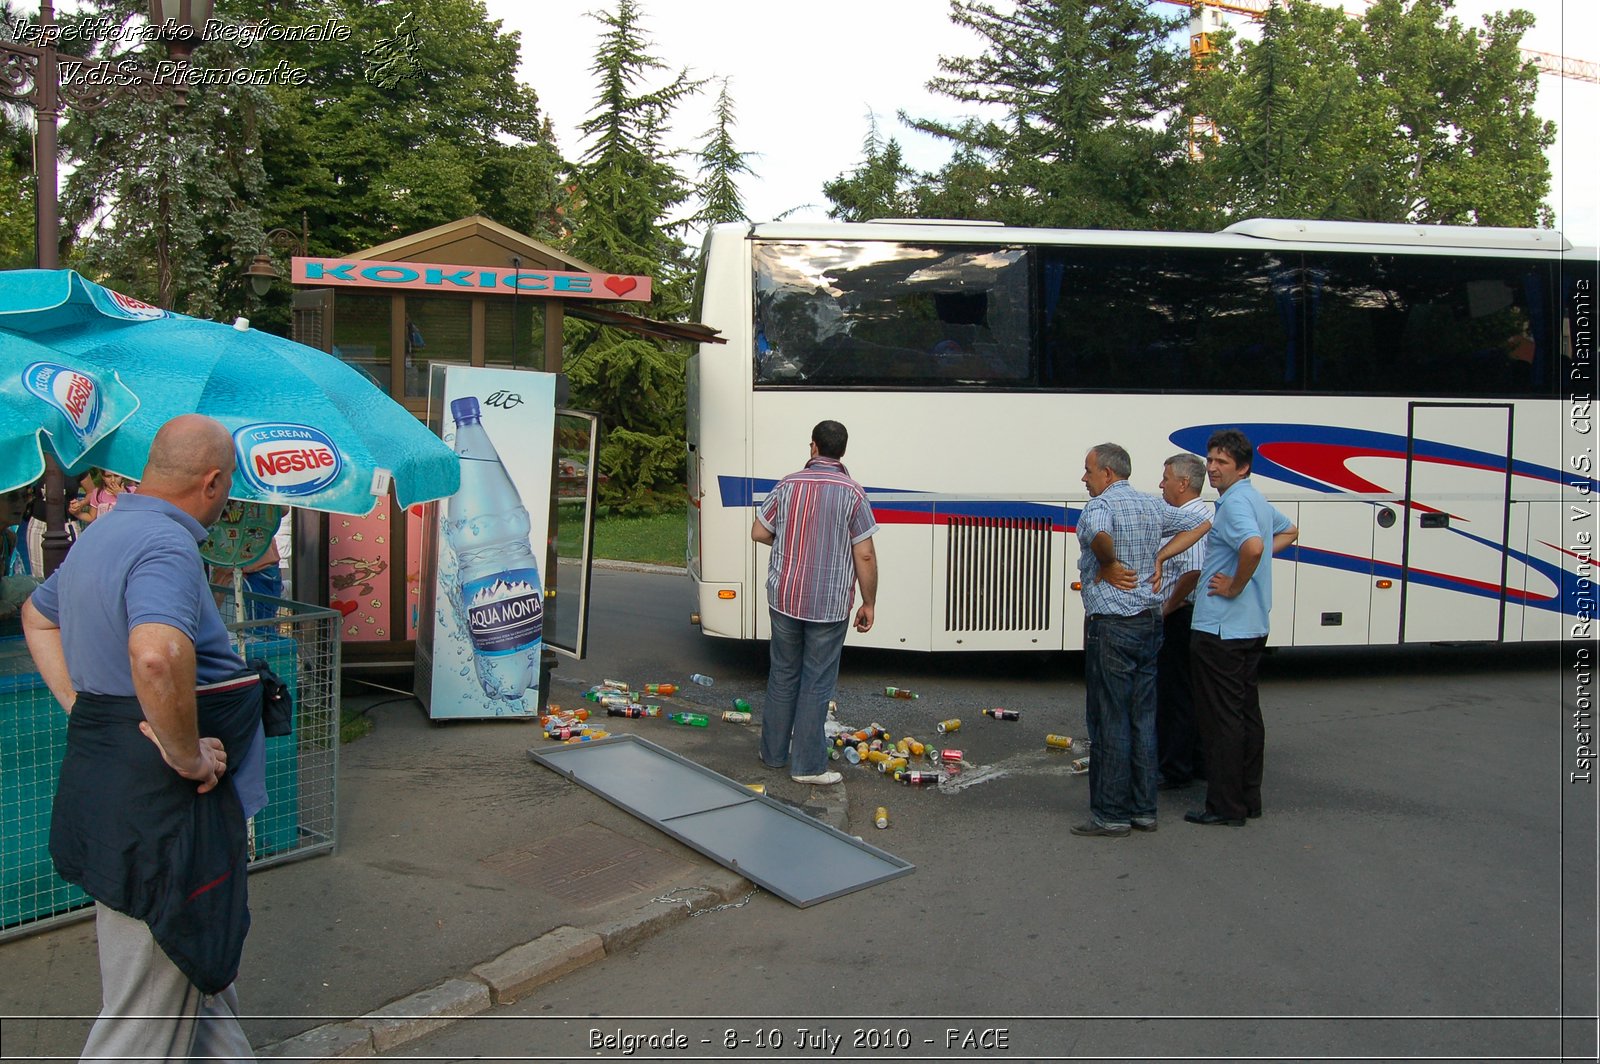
point(30, 74)
point(262, 274)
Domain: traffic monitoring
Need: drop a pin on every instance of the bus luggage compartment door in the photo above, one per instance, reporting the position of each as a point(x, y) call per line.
point(1458, 481)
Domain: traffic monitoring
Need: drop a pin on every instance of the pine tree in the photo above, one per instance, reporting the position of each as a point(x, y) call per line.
point(1088, 135)
point(628, 187)
point(721, 164)
point(879, 186)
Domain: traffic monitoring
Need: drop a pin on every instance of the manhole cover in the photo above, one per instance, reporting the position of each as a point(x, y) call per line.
point(590, 865)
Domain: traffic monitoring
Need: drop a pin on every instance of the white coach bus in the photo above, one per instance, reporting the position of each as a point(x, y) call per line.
point(1407, 388)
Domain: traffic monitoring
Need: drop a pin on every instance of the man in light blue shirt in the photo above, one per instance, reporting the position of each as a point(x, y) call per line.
point(1231, 620)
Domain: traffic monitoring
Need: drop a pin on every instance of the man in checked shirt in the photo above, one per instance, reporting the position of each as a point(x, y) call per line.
point(1119, 531)
point(819, 525)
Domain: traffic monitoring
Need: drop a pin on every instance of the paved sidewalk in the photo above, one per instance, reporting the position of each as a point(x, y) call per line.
point(466, 876)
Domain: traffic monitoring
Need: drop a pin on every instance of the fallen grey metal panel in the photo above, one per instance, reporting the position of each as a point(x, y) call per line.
point(801, 860)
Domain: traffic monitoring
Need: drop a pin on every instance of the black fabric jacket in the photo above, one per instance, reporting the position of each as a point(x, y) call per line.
point(137, 837)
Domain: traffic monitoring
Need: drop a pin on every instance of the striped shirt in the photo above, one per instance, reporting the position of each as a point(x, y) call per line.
point(1135, 522)
point(817, 515)
point(1191, 560)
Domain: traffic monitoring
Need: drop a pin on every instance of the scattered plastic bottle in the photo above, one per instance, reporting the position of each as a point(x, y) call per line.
point(1058, 742)
point(1003, 714)
point(734, 716)
point(702, 679)
point(651, 711)
point(660, 688)
point(694, 720)
point(881, 816)
point(626, 711)
point(558, 714)
point(916, 777)
point(741, 705)
point(945, 726)
point(497, 577)
point(900, 692)
point(852, 755)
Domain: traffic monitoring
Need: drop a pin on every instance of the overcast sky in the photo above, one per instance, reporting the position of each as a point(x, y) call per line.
point(805, 76)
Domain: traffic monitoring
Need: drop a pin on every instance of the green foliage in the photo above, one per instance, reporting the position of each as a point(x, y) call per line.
point(721, 164)
point(1405, 115)
point(1086, 91)
point(658, 539)
point(162, 198)
point(879, 186)
point(628, 187)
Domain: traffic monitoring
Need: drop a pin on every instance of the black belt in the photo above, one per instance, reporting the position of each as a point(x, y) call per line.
point(1151, 612)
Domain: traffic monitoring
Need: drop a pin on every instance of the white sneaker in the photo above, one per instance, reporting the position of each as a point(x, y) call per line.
point(821, 779)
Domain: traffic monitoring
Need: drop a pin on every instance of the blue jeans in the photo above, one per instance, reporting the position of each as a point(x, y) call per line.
point(1119, 670)
point(800, 681)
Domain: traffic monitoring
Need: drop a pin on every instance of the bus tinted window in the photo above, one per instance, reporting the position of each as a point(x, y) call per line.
point(1430, 325)
point(1158, 319)
point(877, 312)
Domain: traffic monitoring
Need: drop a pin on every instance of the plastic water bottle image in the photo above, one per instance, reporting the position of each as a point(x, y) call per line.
point(497, 576)
point(702, 679)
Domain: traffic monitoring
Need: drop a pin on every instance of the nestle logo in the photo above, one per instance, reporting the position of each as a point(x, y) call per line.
point(280, 459)
point(69, 391)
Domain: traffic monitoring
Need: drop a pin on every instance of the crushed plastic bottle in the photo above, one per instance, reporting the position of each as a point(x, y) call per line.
point(702, 679)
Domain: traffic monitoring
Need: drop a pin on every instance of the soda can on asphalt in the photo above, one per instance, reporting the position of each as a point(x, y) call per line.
point(880, 817)
point(953, 724)
point(892, 765)
point(1079, 766)
point(1058, 742)
point(950, 756)
point(734, 716)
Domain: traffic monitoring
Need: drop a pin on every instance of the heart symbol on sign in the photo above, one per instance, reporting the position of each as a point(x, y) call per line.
point(346, 608)
point(621, 285)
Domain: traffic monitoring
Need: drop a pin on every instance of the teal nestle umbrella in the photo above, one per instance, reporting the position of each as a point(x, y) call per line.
point(308, 430)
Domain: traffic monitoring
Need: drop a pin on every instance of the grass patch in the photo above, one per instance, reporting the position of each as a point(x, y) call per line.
point(658, 540)
point(353, 724)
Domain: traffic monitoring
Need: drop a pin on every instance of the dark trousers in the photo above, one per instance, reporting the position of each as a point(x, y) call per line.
point(1177, 734)
point(1228, 709)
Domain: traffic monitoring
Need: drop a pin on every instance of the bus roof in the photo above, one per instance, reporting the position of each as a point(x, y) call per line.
point(1252, 233)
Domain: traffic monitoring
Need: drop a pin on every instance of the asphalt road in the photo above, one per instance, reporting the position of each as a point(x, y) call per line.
point(1422, 883)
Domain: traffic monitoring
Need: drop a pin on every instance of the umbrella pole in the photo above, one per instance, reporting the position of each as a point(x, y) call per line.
point(56, 540)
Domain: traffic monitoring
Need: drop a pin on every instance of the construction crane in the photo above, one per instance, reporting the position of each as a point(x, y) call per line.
point(1205, 19)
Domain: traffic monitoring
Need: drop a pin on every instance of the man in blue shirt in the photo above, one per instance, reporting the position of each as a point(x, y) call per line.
point(1231, 619)
point(1118, 532)
point(127, 636)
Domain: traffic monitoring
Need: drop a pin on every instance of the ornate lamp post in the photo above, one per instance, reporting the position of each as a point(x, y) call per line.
point(30, 74)
point(262, 274)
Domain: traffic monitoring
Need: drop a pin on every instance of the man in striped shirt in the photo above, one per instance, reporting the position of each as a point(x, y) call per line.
point(819, 525)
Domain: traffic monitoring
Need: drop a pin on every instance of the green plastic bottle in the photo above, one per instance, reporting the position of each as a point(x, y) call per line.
point(694, 720)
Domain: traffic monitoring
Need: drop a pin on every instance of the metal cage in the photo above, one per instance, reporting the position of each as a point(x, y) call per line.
point(299, 642)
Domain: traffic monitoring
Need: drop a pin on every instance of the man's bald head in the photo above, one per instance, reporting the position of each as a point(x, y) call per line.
point(191, 465)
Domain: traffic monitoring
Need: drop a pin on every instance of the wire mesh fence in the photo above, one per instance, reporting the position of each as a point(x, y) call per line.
point(299, 642)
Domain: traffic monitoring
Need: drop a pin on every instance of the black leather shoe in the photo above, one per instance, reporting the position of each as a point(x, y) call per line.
point(1207, 817)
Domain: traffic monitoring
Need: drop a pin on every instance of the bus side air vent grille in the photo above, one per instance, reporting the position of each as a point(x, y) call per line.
point(997, 574)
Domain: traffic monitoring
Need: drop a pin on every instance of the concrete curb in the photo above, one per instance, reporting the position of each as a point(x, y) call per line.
point(504, 979)
point(640, 567)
